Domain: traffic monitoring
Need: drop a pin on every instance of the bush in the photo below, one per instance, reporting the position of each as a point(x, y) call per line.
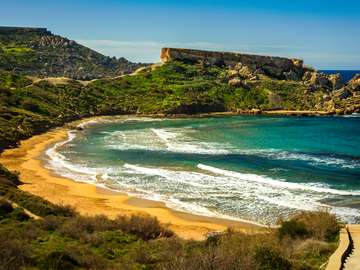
point(14, 253)
point(311, 247)
point(19, 214)
point(268, 259)
point(145, 227)
point(5, 208)
point(321, 224)
point(58, 260)
point(293, 229)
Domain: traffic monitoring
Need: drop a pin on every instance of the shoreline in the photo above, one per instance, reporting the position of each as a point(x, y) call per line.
point(90, 199)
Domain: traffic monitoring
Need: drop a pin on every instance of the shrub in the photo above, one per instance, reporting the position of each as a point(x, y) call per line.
point(268, 259)
point(5, 208)
point(145, 227)
point(14, 253)
point(321, 224)
point(19, 214)
point(311, 247)
point(58, 260)
point(293, 229)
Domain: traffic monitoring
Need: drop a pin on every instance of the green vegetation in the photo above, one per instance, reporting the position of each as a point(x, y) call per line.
point(63, 239)
point(28, 108)
point(40, 53)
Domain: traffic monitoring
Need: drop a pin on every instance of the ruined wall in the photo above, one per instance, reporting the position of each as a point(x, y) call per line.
point(272, 65)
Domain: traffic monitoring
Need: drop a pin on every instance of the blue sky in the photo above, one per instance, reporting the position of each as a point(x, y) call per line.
point(326, 34)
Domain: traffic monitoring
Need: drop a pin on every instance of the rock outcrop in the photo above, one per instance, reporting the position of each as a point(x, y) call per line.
point(354, 83)
point(38, 52)
point(276, 67)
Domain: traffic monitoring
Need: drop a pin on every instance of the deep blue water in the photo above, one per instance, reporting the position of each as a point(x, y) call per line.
point(347, 75)
point(249, 167)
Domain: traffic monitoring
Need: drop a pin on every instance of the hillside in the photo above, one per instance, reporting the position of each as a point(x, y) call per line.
point(38, 52)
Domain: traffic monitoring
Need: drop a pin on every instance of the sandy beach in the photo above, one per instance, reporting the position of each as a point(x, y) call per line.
point(90, 199)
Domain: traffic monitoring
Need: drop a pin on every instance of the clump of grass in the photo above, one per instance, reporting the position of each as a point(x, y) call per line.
point(321, 224)
point(293, 228)
point(146, 227)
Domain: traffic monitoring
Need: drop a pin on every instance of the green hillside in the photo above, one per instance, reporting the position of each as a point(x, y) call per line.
point(38, 52)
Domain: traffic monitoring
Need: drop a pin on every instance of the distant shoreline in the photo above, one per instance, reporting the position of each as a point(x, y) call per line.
point(90, 199)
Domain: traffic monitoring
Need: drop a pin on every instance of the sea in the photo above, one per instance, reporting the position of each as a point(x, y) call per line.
point(254, 168)
point(347, 75)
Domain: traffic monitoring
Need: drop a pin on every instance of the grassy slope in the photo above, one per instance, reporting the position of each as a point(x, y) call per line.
point(21, 52)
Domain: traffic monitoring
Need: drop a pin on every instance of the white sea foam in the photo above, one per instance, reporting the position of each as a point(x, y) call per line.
point(64, 167)
point(273, 182)
point(170, 140)
point(258, 195)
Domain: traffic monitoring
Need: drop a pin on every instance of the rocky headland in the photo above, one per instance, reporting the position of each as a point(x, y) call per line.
point(247, 70)
point(38, 52)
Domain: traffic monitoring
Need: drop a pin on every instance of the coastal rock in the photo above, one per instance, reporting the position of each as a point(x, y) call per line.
point(259, 71)
point(271, 65)
point(354, 83)
point(316, 81)
point(298, 63)
point(245, 72)
point(342, 93)
point(291, 76)
point(307, 76)
point(235, 82)
point(233, 73)
point(336, 81)
point(49, 55)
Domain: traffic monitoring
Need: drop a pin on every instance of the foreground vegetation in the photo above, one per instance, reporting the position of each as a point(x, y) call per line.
point(59, 238)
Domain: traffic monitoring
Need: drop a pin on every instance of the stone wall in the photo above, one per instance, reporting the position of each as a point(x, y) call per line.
point(271, 65)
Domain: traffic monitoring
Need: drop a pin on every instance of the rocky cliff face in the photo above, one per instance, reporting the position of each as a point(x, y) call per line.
point(277, 67)
point(37, 52)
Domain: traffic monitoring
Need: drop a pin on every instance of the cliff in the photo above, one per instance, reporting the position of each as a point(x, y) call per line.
point(278, 67)
point(38, 52)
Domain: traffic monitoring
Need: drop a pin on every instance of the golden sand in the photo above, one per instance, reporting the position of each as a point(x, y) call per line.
point(89, 199)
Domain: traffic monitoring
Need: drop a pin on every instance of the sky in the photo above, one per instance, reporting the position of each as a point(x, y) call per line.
point(326, 34)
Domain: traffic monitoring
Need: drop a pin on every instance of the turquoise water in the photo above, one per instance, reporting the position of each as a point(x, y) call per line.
point(243, 167)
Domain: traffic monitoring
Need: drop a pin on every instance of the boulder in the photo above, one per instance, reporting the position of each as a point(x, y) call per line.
point(316, 81)
point(259, 71)
point(273, 71)
point(291, 76)
point(298, 63)
point(342, 93)
point(336, 81)
point(235, 82)
point(354, 83)
point(233, 73)
point(238, 66)
point(307, 76)
point(246, 73)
